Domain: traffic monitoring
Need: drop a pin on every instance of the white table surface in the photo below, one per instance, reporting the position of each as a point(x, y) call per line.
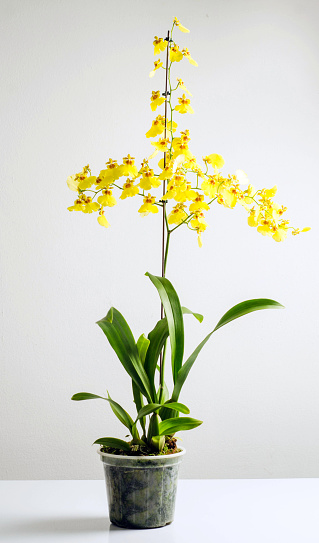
point(216, 511)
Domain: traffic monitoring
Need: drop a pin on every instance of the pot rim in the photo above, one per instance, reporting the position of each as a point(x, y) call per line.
point(141, 456)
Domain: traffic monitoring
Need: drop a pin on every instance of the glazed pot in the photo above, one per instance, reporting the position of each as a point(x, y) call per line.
point(141, 490)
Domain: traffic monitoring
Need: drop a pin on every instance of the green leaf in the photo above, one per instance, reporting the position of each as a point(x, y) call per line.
point(85, 396)
point(142, 346)
point(138, 400)
point(117, 409)
point(177, 407)
point(113, 442)
point(173, 312)
point(122, 341)
point(153, 407)
point(170, 426)
point(120, 413)
point(246, 307)
point(157, 338)
point(234, 313)
point(135, 434)
point(197, 316)
point(148, 409)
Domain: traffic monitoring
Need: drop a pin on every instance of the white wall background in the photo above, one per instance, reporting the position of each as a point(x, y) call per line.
point(75, 90)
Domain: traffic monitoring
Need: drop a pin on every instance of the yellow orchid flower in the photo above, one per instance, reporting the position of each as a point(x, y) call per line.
point(198, 221)
point(149, 181)
point(175, 55)
point(184, 105)
point(182, 86)
point(199, 224)
point(171, 191)
point(178, 24)
point(186, 54)
point(186, 195)
point(90, 206)
point(210, 186)
point(265, 227)
point(254, 217)
point(167, 172)
point(128, 167)
point(198, 203)
point(297, 231)
point(269, 193)
point(87, 183)
point(106, 199)
point(171, 126)
point(279, 234)
point(129, 190)
point(215, 160)
point(179, 179)
point(157, 128)
point(157, 64)
point(185, 136)
point(102, 220)
point(177, 215)
point(78, 205)
point(156, 100)
point(161, 144)
point(148, 206)
point(159, 45)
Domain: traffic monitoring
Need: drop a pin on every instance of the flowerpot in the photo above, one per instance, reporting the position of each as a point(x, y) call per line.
point(141, 490)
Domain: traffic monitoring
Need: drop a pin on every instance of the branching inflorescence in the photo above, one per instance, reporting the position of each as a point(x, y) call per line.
point(191, 188)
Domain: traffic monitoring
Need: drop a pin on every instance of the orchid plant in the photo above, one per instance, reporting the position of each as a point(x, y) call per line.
point(190, 189)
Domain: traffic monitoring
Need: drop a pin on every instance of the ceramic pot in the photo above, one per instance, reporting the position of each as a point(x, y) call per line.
point(141, 490)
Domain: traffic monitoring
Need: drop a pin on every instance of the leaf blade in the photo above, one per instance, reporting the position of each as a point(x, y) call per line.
point(117, 409)
point(235, 312)
point(113, 442)
point(174, 316)
point(170, 426)
point(121, 339)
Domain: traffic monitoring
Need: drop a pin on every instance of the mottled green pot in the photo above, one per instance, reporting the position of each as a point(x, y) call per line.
point(141, 490)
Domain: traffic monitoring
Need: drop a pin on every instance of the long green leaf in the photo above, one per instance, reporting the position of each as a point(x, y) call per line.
point(153, 407)
point(120, 413)
point(244, 308)
point(122, 341)
point(142, 346)
point(197, 316)
point(138, 400)
point(173, 312)
point(117, 409)
point(234, 313)
point(177, 406)
point(157, 338)
point(113, 442)
point(170, 426)
point(148, 409)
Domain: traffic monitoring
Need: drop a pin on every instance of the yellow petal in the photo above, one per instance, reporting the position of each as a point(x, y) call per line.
point(182, 28)
point(72, 182)
point(216, 161)
point(242, 177)
point(153, 154)
point(103, 221)
point(269, 193)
